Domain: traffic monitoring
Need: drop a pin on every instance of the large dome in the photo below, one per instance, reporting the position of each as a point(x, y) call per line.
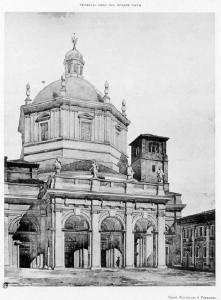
point(77, 88)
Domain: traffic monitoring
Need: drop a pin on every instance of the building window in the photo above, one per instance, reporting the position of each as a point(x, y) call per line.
point(212, 230)
point(44, 131)
point(212, 251)
point(117, 142)
point(137, 150)
point(201, 231)
point(189, 232)
point(204, 252)
point(204, 230)
point(154, 147)
point(86, 130)
point(191, 251)
point(197, 251)
point(153, 168)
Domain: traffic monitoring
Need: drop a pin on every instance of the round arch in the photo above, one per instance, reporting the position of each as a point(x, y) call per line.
point(69, 214)
point(116, 216)
point(77, 240)
point(76, 223)
point(13, 225)
point(149, 218)
point(112, 241)
point(144, 241)
point(29, 223)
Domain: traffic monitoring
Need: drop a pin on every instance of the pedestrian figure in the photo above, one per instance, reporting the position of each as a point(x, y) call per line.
point(118, 261)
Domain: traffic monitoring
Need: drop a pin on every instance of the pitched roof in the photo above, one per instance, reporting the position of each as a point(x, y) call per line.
point(150, 137)
point(198, 218)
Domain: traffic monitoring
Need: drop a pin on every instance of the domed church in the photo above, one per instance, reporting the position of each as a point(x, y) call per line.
point(72, 200)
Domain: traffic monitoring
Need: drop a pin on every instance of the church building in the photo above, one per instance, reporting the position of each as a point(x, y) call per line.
point(72, 200)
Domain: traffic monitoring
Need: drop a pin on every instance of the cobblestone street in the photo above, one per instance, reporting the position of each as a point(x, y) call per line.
point(141, 277)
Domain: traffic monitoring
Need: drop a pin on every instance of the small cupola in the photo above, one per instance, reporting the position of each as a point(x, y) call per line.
point(73, 61)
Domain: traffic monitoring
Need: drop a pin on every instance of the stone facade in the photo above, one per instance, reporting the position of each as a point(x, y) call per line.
point(197, 236)
point(66, 216)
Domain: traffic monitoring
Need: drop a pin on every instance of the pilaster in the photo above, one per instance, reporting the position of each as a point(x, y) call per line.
point(95, 247)
point(6, 241)
point(161, 236)
point(59, 236)
point(129, 237)
point(207, 245)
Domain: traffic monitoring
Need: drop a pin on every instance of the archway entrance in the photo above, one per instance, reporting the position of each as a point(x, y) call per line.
point(77, 242)
point(144, 244)
point(112, 243)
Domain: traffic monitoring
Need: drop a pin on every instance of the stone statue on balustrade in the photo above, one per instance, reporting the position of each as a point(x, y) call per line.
point(57, 166)
point(130, 173)
point(94, 169)
point(160, 175)
point(51, 181)
point(42, 190)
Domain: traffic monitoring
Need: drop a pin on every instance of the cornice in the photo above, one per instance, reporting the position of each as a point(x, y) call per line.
point(67, 103)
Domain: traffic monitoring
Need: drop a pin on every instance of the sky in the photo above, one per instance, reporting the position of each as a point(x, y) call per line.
point(162, 64)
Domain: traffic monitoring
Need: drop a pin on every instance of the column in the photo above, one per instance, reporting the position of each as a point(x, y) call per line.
point(71, 126)
point(207, 245)
point(161, 236)
point(35, 134)
point(129, 237)
point(106, 132)
point(149, 249)
point(27, 129)
point(62, 120)
point(52, 124)
point(59, 237)
point(44, 237)
point(6, 241)
point(96, 244)
point(76, 126)
point(10, 249)
point(56, 122)
point(89, 250)
point(193, 245)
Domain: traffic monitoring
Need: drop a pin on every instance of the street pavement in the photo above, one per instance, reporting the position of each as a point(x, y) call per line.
point(108, 277)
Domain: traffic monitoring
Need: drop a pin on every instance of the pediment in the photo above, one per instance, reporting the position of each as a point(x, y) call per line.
point(118, 127)
point(86, 116)
point(43, 117)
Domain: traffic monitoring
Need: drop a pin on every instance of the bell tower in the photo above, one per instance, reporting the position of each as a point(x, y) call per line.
point(148, 157)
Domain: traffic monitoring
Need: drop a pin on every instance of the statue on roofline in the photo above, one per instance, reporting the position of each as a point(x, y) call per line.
point(57, 166)
point(74, 40)
point(94, 169)
point(130, 173)
point(160, 175)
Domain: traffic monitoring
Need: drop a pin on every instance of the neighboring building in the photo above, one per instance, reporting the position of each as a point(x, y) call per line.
point(60, 211)
point(197, 234)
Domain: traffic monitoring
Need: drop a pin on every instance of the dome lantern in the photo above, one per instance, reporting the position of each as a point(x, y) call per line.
point(73, 61)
